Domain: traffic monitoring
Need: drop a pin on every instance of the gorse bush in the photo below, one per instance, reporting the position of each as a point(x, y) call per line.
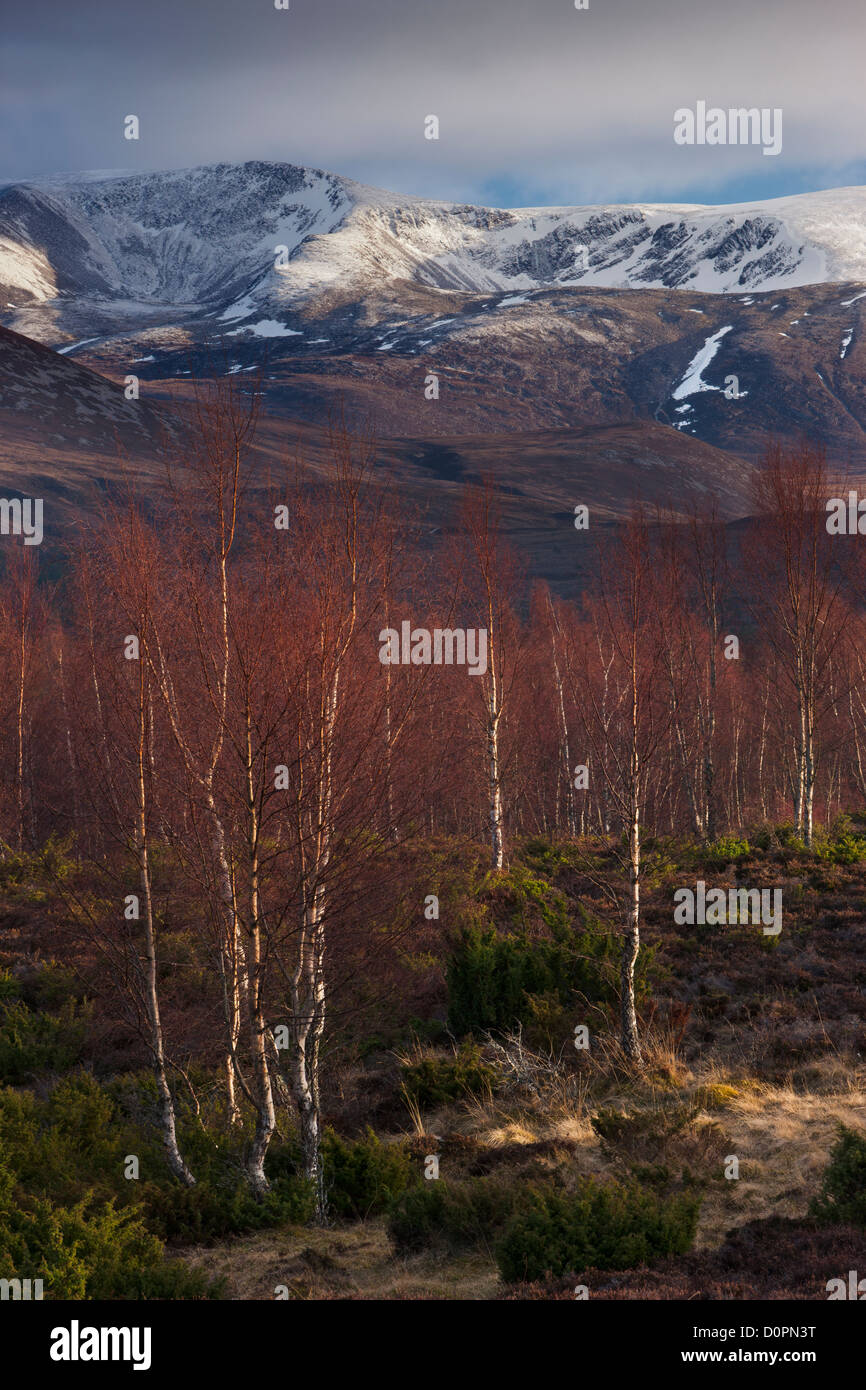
point(842, 1198)
point(363, 1176)
point(606, 1225)
point(431, 1080)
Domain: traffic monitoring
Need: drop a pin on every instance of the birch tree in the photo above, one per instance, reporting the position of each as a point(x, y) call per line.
point(797, 584)
point(627, 734)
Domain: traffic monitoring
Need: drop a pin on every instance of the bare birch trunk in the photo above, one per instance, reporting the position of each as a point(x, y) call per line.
point(631, 941)
point(494, 785)
point(70, 752)
point(308, 981)
point(308, 1008)
point(166, 1104)
point(571, 820)
point(19, 726)
point(230, 949)
point(808, 789)
point(266, 1120)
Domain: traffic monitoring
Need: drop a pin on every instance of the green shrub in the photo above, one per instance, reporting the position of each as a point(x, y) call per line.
point(849, 849)
point(727, 849)
point(10, 988)
point(30, 873)
point(222, 1203)
point(439, 1216)
point(363, 1176)
point(844, 847)
point(529, 900)
point(34, 1042)
point(211, 1211)
point(603, 1225)
point(74, 1142)
point(438, 1080)
point(491, 976)
point(88, 1252)
point(842, 1198)
point(642, 1131)
point(171, 1280)
point(49, 986)
point(786, 835)
point(541, 854)
point(73, 1145)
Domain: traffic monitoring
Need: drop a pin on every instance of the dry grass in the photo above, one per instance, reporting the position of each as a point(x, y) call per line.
point(782, 1138)
point(781, 1134)
point(350, 1262)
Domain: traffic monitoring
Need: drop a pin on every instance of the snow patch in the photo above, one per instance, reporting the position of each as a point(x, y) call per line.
point(692, 382)
point(72, 346)
point(267, 328)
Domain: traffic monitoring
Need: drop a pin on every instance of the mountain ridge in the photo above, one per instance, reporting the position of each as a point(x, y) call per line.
point(243, 244)
point(458, 334)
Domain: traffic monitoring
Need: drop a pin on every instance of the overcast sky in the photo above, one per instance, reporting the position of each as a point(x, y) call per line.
point(537, 102)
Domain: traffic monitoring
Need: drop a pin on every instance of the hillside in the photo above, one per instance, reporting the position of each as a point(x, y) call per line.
point(729, 324)
point(244, 242)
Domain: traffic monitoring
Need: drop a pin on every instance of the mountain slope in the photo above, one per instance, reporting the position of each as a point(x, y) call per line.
point(246, 244)
point(68, 436)
point(66, 433)
point(526, 322)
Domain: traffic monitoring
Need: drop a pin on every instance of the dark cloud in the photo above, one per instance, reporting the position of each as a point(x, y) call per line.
point(536, 100)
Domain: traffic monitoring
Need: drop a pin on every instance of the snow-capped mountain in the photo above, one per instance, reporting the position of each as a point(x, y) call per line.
point(155, 247)
point(726, 325)
point(244, 246)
